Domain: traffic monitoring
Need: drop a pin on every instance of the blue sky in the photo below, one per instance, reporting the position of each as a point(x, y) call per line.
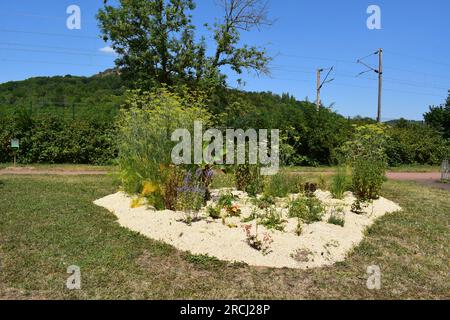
point(307, 35)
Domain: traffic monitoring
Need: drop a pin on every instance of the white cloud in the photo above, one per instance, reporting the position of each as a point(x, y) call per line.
point(107, 50)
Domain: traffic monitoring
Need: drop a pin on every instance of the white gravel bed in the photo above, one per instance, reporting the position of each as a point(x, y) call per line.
point(320, 243)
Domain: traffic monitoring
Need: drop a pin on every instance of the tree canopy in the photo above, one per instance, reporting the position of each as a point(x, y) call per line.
point(439, 118)
point(156, 43)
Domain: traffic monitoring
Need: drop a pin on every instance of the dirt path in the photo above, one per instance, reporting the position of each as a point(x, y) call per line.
point(427, 178)
point(414, 176)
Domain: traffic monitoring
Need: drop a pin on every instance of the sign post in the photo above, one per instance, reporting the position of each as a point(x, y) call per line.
point(15, 146)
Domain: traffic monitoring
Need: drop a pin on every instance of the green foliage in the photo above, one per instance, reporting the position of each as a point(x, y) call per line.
point(307, 209)
point(249, 179)
point(282, 184)
point(367, 158)
point(204, 261)
point(39, 110)
point(272, 219)
point(144, 135)
point(214, 212)
point(92, 99)
point(337, 217)
point(412, 143)
point(172, 185)
point(221, 180)
point(309, 189)
point(308, 137)
point(226, 200)
point(439, 118)
point(339, 221)
point(339, 183)
point(264, 202)
point(53, 140)
point(358, 206)
point(253, 216)
point(156, 42)
point(191, 196)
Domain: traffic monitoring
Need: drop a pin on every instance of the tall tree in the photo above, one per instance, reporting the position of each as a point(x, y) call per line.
point(439, 118)
point(156, 44)
point(240, 16)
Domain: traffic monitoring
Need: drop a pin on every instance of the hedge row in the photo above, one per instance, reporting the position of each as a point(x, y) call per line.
point(55, 140)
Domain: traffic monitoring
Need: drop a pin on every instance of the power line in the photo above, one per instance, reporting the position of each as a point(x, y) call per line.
point(55, 52)
point(50, 34)
point(47, 47)
point(294, 68)
point(316, 58)
point(419, 58)
point(362, 87)
point(56, 63)
point(379, 71)
point(32, 15)
point(320, 84)
point(348, 75)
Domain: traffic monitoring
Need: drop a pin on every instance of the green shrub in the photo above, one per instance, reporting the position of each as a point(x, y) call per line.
point(368, 178)
point(222, 180)
point(51, 139)
point(367, 158)
point(191, 195)
point(145, 126)
point(271, 219)
point(308, 209)
point(226, 200)
point(339, 221)
point(309, 189)
point(214, 212)
point(411, 143)
point(339, 183)
point(264, 202)
point(337, 217)
point(249, 179)
point(174, 181)
point(282, 184)
point(253, 216)
point(322, 182)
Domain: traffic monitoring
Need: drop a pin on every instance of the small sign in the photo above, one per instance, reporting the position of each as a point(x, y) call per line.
point(15, 143)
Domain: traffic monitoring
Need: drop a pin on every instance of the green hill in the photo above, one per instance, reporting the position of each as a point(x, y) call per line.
point(67, 96)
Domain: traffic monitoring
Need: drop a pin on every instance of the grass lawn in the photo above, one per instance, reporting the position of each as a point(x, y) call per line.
point(84, 167)
point(48, 223)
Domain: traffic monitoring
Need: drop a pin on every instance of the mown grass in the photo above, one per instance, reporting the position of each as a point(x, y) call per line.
point(43, 166)
point(48, 223)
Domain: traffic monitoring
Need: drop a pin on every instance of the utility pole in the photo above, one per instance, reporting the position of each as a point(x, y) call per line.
point(379, 71)
point(320, 84)
point(380, 81)
point(318, 89)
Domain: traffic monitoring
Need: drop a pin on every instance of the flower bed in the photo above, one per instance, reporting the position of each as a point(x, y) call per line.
point(297, 231)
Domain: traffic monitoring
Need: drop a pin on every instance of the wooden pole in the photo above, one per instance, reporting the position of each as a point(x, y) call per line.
point(318, 89)
point(380, 82)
